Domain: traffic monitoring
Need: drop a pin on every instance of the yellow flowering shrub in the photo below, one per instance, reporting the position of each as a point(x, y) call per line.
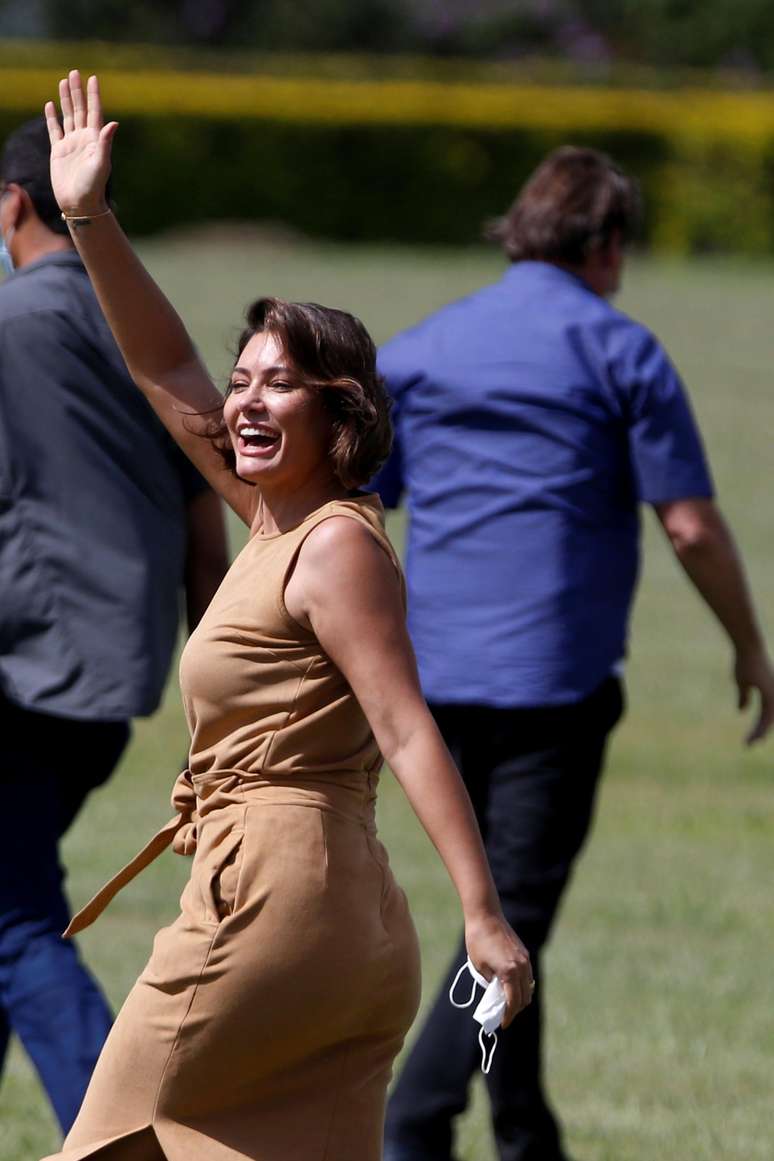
point(704, 156)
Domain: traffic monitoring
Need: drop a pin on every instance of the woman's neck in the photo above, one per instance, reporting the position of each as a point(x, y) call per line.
point(281, 510)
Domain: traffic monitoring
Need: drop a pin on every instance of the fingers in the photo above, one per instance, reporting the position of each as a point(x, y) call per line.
point(93, 104)
point(79, 110)
point(513, 1007)
point(527, 987)
point(518, 997)
point(52, 123)
point(494, 949)
point(755, 734)
point(107, 133)
point(78, 99)
point(763, 689)
point(762, 725)
point(65, 100)
point(519, 989)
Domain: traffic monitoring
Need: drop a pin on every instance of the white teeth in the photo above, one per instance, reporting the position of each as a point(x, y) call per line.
point(252, 431)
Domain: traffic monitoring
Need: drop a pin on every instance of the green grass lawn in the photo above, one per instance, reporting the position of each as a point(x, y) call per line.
point(660, 1031)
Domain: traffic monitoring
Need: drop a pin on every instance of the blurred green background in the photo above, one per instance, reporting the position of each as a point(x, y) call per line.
point(660, 1032)
point(591, 33)
point(414, 120)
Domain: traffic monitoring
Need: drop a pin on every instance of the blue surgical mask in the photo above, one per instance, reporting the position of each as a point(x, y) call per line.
point(6, 261)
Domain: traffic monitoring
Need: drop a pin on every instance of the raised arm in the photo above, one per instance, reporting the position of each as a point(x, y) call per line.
point(157, 349)
point(346, 589)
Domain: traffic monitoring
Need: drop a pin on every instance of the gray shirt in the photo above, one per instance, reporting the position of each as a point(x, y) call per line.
point(93, 495)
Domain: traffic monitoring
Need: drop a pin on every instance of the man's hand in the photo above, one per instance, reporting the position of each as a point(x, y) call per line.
point(703, 544)
point(752, 670)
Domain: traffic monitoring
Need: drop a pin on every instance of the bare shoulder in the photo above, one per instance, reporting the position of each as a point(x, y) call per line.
point(343, 550)
point(341, 535)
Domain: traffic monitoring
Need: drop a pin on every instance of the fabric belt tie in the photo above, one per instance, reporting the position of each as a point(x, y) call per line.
point(179, 833)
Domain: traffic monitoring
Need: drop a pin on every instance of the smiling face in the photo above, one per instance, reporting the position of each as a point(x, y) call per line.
point(279, 427)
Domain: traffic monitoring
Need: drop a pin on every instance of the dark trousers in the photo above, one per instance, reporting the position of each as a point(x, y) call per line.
point(532, 775)
point(47, 767)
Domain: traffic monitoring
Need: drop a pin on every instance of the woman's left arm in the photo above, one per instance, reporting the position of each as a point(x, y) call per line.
point(346, 590)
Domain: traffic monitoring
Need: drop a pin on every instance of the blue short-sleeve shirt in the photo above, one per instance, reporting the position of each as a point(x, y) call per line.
point(532, 418)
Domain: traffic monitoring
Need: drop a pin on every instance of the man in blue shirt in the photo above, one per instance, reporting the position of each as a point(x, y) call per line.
point(103, 525)
point(532, 421)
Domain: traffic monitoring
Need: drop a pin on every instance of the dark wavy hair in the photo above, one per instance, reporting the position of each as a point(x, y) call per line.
point(335, 355)
point(571, 205)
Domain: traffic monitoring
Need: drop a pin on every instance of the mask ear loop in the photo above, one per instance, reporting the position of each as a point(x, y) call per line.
point(453, 989)
point(487, 1054)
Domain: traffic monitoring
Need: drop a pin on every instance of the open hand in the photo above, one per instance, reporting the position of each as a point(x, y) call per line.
point(495, 949)
point(80, 147)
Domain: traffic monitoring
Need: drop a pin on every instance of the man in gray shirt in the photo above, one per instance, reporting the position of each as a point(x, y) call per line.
point(103, 524)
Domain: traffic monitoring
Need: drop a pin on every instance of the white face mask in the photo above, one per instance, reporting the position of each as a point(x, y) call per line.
point(6, 261)
point(489, 1011)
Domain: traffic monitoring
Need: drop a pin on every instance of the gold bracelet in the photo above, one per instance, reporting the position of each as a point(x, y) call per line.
point(77, 220)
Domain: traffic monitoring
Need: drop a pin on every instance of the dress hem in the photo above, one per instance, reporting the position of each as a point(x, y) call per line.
point(103, 1148)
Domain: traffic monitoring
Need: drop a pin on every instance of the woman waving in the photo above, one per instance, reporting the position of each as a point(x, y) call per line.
point(266, 1021)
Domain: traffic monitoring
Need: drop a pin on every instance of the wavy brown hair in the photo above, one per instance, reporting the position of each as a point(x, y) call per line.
point(334, 354)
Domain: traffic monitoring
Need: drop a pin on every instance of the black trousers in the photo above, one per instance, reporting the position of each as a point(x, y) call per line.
point(48, 766)
point(532, 775)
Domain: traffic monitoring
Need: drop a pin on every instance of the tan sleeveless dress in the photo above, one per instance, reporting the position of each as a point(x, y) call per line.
point(266, 1021)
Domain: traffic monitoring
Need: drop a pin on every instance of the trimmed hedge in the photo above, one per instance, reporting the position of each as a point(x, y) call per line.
point(396, 159)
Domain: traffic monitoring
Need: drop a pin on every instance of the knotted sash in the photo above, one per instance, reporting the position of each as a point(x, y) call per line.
point(179, 833)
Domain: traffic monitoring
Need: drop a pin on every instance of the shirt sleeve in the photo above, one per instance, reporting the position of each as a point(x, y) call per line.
point(665, 446)
point(389, 481)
